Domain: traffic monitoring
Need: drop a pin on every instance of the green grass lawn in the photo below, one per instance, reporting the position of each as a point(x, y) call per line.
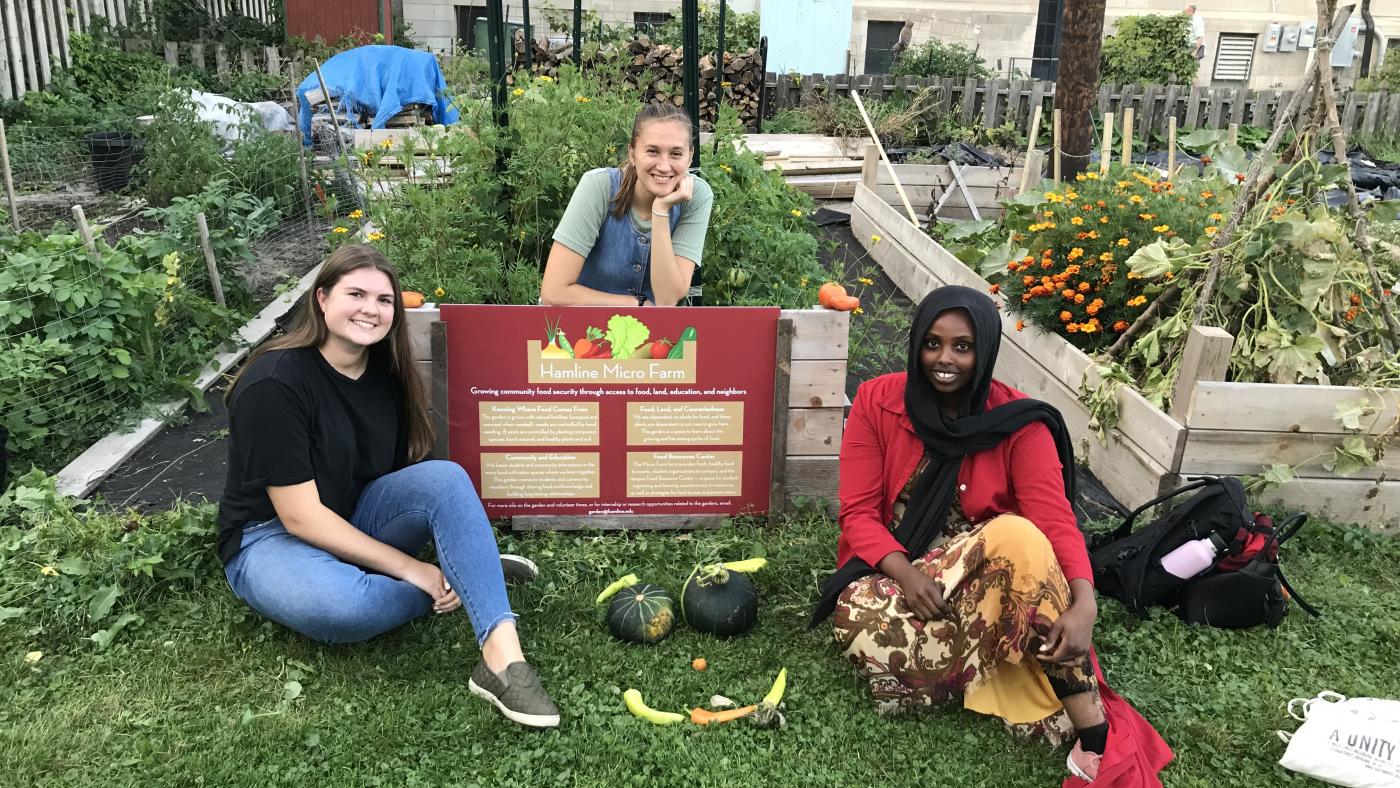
point(201, 691)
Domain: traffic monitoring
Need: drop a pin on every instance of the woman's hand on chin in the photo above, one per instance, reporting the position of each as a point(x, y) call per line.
point(683, 191)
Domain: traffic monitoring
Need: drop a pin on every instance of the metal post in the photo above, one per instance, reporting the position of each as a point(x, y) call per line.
point(719, 51)
point(762, 85)
point(578, 32)
point(496, 57)
point(690, 59)
point(9, 179)
point(529, 38)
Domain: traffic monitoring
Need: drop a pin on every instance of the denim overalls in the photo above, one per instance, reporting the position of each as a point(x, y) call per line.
point(620, 261)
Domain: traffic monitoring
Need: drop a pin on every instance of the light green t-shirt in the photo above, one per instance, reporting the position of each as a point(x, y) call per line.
point(588, 209)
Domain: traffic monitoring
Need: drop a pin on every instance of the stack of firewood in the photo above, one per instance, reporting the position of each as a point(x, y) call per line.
point(658, 70)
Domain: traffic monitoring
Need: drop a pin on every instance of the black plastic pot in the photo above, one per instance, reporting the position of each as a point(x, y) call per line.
point(113, 154)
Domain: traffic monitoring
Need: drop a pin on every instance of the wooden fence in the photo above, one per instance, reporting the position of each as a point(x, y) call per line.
point(34, 33)
point(997, 101)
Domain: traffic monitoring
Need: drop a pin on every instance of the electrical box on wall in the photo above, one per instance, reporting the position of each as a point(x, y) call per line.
point(1307, 35)
point(1272, 37)
point(1344, 50)
point(1289, 42)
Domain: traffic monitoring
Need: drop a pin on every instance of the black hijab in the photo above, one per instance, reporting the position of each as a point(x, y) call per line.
point(948, 441)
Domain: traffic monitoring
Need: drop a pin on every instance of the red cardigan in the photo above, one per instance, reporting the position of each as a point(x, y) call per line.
point(1021, 475)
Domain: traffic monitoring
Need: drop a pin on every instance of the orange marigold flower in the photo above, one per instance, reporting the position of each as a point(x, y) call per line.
point(1072, 270)
point(1079, 298)
point(1101, 204)
point(1123, 242)
point(1092, 310)
point(1106, 257)
point(1048, 214)
point(1136, 199)
point(1046, 263)
point(1080, 236)
point(1073, 328)
point(1067, 293)
point(1207, 195)
point(1239, 176)
point(1351, 314)
point(1020, 325)
point(1147, 217)
point(1025, 298)
point(1161, 228)
point(1094, 233)
point(1170, 276)
point(1354, 299)
point(1087, 206)
point(1076, 220)
point(1065, 317)
point(994, 289)
point(1011, 266)
point(1083, 287)
point(1103, 220)
point(1212, 230)
point(1120, 326)
point(1027, 280)
point(1075, 253)
point(1089, 327)
point(1137, 301)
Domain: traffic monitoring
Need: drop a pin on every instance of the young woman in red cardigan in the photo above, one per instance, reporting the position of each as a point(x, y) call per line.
point(961, 568)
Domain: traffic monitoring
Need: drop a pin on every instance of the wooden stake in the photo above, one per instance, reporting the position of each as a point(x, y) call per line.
point(1128, 137)
point(1055, 133)
point(1106, 152)
point(870, 127)
point(1030, 176)
point(335, 116)
point(1034, 130)
point(1234, 134)
point(215, 282)
point(9, 179)
point(1171, 147)
point(86, 232)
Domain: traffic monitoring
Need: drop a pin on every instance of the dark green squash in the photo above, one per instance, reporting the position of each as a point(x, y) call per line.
point(717, 601)
point(642, 613)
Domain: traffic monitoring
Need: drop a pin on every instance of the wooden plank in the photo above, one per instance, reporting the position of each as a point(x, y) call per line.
point(418, 323)
point(438, 391)
point(1268, 407)
point(1193, 107)
point(814, 431)
point(817, 383)
point(1206, 357)
point(1373, 113)
point(1245, 453)
point(1238, 98)
point(782, 379)
point(969, 101)
point(1147, 112)
point(826, 187)
point(1364, 502)
point(621, 522)
point(813, 478)
point(941, 174)
point(818, 333)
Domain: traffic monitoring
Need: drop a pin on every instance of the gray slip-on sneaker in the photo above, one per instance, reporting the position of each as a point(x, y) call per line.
point(517, 692)
point(518, 569)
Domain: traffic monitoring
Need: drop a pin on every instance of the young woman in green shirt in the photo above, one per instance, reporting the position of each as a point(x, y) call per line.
point(632, 236)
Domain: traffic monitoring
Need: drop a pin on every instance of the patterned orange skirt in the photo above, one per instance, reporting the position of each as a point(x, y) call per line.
point(1006, 590)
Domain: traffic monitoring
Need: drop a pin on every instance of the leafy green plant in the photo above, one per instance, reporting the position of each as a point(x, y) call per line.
point(937, 59)
point(69, 576)
point(760, 249)
point(1148, 49)
point(740, 29)
point(903, 119)
point(235, 220)
point(87, 341)
point(1386, 78)
point(181, 152)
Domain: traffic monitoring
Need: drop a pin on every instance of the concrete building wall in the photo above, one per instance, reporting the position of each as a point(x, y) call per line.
point(435, 21)
point(1003, 33)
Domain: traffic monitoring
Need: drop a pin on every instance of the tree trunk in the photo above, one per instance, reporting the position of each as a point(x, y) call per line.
point(1078, 81)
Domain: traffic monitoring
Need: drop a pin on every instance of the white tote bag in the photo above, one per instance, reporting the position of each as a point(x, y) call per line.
point(1353, 742)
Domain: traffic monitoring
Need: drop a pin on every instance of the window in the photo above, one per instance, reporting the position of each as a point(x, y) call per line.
point(1045, 55)
point(1234, 56)
point(647, 21)
point(880, 38)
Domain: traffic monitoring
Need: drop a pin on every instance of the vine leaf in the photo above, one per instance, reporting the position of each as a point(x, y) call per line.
point(1277, 474)
point(1352, 456)
point(1349, 414)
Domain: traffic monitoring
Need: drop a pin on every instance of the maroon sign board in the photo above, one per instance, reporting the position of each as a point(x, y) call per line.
point(568, 411)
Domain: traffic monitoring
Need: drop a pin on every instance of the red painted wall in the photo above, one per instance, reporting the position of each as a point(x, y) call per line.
point(331, 19)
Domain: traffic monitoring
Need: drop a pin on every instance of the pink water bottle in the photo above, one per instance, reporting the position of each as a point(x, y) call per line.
point(1194, 557)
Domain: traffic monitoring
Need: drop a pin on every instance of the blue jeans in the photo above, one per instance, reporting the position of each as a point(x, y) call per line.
point(311, 591)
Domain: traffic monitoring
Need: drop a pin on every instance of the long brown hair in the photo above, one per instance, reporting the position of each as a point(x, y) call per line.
point(310, 330)
point(651, 113)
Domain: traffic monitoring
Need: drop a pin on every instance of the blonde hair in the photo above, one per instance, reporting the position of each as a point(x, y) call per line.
point(310, 330)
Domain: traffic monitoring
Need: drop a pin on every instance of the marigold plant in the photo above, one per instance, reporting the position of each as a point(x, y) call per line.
point(1072, 278)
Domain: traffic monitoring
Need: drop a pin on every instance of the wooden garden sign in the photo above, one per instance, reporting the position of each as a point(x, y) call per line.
point(557, 433)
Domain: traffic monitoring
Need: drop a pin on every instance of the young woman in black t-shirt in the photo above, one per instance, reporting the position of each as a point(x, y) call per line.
point(328, 497)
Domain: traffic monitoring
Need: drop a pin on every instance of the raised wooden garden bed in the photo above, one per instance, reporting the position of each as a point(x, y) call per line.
point(816, 393)
point(1217, 428)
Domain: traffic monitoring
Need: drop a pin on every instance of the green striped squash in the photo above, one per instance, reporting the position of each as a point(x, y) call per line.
point(643, 613)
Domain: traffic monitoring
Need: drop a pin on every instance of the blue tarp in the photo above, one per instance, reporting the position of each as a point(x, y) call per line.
point(378, 80)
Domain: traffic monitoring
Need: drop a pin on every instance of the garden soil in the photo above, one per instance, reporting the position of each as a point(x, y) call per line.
point(188, 460)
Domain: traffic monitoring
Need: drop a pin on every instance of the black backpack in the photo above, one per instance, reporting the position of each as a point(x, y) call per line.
point(1248, 590)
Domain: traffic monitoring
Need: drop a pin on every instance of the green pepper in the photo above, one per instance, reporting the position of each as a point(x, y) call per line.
point(688, 335)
